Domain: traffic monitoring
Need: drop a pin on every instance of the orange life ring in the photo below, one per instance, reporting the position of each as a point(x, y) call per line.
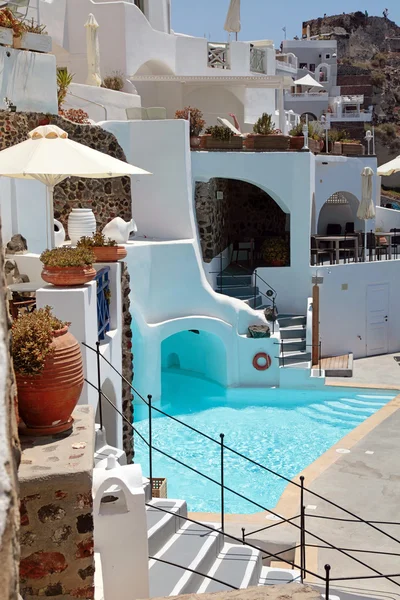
point(265, 357)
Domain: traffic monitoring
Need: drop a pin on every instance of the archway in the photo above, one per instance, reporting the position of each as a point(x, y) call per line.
point(323, 73)
point(195, 352)
point(155, 93)
point(310, 115)
point(241, 215)
point(340, 209)
point(214, 102)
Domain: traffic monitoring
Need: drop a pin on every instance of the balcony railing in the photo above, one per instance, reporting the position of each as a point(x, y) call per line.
point(287, 62)
point(257, 60)
point(307, 95)
point(218, 56)
point(103, 302)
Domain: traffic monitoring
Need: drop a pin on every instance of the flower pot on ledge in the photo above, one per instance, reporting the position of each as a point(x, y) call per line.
point(210, 143)
point(352, 148)
point(68, 276)
point(256, 141)
point(105, 254)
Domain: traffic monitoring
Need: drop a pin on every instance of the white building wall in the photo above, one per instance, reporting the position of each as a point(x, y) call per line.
point(100, 103)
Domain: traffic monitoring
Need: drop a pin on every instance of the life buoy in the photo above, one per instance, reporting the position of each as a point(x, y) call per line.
point(265, 357)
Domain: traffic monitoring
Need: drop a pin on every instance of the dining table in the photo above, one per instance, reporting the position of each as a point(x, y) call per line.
point(334, 241)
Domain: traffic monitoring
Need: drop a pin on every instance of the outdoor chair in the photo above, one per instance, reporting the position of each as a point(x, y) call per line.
point(333, 229)
point(248, 249)
point(395, 241)
point(348, 247)
point(349, 227)
point(317, 252)
point(374, 243)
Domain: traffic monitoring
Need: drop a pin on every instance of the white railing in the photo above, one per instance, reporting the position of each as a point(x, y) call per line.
point(257, 60)
point(307, 95)
point(350, 116)
point(218, 56)
point(350, 99)
point(287, 61)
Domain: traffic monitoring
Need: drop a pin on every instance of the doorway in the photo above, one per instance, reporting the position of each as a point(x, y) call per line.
point(377, 319)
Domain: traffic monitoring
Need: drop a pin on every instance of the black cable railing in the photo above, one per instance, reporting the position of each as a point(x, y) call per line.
point(300, 527)
point(282, 351)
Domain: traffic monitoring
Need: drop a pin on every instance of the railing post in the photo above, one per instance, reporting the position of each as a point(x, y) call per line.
point(221, 435)
point(99, 384)
point(320, 358)
point(302, 566)
point(243, 536)
point(221, 287)
point(273, 314)
point(150, 449)
point(327, 571)
point(283, 356)
point(255, 289)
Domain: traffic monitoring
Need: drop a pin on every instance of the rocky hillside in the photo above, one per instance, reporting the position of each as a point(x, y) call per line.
point(370, 44)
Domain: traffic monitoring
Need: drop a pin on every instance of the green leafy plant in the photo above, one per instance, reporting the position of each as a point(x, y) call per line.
point(64, 80)
point(115, 81)
point(264, 125)
point(32, 27)
point(219, 132)
point(67, 257)
point(32, 335)
point(297, 130)
point(98, 239)
point(316, 131)
point(196, 121)
point(337, 135)
point(276, 249)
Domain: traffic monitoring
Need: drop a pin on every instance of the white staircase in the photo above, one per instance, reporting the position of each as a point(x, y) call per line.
point(174, 539)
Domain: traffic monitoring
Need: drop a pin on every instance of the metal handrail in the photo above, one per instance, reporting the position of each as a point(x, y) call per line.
point(90, 102)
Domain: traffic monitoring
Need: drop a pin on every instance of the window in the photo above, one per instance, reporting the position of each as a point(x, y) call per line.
point(312, 67)
point(327, 56)
point(303, 66)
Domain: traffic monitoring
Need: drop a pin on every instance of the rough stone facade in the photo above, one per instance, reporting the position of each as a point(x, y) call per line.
point(127, 363)
point(108, 198)
point(57, 559)
point(244, 212)
point(9, 459)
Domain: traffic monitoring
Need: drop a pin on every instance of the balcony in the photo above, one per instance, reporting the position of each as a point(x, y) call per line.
point(301, 96)
point(287, 62)
point(257, 56)
point(218, 56)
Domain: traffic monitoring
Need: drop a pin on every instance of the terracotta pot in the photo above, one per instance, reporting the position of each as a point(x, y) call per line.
point(195, 141)
point(46, 401)
point(17, 42)
point(256, 141)
point(277, 263)
point(68, 276)
point(109, 253)
point(296, 142)
point(210, 143)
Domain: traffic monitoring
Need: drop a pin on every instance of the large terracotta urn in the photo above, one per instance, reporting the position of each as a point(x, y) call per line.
point(46, 401)
point(81, 222)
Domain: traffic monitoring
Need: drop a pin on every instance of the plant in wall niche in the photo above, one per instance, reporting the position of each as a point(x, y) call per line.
point(196, 123)
point(76, 115)
point(67, 266)
point(275, 251)
point(104, 249)
point(64, 80)
point(49, 372)
point(115, 81)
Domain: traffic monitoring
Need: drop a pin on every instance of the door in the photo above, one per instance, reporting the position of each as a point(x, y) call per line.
point(377, 319)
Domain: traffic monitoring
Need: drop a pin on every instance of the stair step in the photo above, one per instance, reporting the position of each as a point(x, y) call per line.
point(193, 546)
point(238, 565)
point(292, 345)
point(276, 576)
point(291, 320)
point(278, 564)
point(234, 280)
point(162, 526)
point(250, 301)
point(294, 357)
point(237, 291)
point(295, 331)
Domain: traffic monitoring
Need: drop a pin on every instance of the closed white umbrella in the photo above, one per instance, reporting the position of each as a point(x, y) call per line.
point(232, 23)
point(366, 209)
point(93, 52)
point(390, 167)
point(50, 157)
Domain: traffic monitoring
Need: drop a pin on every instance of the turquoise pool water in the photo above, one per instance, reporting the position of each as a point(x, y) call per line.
point(284, 430)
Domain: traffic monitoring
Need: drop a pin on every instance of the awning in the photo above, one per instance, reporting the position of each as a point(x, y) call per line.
point(307, 81)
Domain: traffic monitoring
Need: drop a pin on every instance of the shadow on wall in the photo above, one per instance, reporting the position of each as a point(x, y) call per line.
point(197, 352)
point(110, 415)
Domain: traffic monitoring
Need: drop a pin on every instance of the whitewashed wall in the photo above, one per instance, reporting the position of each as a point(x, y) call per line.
point(92, 100)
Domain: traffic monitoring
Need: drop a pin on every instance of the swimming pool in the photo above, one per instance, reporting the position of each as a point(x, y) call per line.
point(283, 429)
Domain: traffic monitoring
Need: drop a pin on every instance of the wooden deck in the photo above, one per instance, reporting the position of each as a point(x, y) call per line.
point(337, 366)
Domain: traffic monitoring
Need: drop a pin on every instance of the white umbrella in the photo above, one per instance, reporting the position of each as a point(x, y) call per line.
point(93, 52)
point(308, 81)
point(366, 209)
point(232, 23)
point(50, 157)
point(390, 167)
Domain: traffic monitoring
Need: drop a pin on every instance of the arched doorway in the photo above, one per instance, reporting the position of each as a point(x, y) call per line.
point(340, 209)
point(239, 215)
point(195, 352)
point(309, 115)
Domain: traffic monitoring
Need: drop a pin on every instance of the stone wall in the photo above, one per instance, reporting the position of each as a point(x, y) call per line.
point(127, 363)
point(108, 198)
point(9, 459)
point(57, 558)
point(245, 212)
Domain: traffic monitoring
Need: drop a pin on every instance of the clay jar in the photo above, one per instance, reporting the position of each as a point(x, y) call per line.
point(46, 401)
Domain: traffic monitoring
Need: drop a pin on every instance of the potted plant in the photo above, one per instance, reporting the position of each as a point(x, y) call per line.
point(48, 370)
point(275, 251)
point(219, 137)
point(66, 266)
point(352, 147)
point(34, 37)
point(266, 137)
point(196, 123)
point(297, 138)
point(104, 249)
